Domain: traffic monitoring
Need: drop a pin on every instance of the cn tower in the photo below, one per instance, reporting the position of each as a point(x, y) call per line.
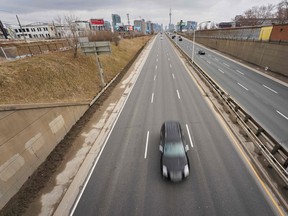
point(170, 17)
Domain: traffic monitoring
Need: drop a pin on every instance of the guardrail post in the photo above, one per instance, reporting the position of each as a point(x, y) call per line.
point(275, 149)
point(247, 117)
point(259, 131)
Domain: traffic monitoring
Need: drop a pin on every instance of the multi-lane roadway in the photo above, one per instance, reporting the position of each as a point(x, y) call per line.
point(263, 98)
point(127, 178)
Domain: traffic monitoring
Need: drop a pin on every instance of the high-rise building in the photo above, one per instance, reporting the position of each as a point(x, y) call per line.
point(116, 21)
point(107, 26)
point(148, 27)
point(140, 26)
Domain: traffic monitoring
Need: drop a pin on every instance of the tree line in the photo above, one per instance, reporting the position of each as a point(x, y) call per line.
point(259, 15)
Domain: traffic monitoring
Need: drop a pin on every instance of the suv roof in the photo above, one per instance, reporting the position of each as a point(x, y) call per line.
point(172, 131)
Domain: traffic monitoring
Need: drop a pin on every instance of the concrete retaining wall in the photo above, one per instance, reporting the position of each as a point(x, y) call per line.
point(27, 136)
point(271, 55)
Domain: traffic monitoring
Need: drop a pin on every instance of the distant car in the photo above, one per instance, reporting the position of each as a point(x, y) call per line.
point(180, 38)
point(174, 160)
point(201, 52)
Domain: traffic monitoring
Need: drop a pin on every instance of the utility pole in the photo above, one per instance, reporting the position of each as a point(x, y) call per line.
point(21, 28)
point(56, 32)
point(170, 16)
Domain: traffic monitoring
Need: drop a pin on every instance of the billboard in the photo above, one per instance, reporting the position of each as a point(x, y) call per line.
point(97, 21)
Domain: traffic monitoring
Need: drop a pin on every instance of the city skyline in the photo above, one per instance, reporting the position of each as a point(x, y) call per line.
point(156, 11)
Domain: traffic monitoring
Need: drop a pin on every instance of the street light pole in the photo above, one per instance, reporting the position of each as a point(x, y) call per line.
point(193, 45)
point(192, 57)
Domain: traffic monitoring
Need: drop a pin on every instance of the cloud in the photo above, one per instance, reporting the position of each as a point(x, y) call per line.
point(154, 10)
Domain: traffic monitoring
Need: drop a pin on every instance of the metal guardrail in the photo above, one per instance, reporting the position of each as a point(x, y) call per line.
point(272, 150)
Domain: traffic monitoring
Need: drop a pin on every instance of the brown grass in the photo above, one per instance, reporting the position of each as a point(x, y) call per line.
point(58, 77)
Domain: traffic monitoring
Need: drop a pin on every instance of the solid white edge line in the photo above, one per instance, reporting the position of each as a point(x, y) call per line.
point(96, 161)
point(282, 114)
point(270, 89)
point(152, 97)
point(146, 147)
point(191, 143)
point(243, 86)
point(178, 94)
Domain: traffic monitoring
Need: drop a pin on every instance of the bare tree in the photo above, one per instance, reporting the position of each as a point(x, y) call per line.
point(282, 12)
point(74, 39)
point(68, 29)
point(257, 15)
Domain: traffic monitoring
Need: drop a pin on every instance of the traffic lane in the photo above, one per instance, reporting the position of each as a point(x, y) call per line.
point(122, 156)
point(169, 198)
point(251, 75)
point(270, 114)
point(263, 91)
point(203, 130)
point(116, 178)
point(189, 102)
point(273, 110)
point(163, 197)
point(254, 98)
point(120, 181)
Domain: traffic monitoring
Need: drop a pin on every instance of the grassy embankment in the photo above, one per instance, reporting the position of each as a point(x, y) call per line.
point(58, 77)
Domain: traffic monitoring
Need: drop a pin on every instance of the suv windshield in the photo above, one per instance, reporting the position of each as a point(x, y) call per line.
point(174, 150)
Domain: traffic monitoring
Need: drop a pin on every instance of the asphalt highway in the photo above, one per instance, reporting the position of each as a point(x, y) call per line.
point(127, 178)
point(263, 98)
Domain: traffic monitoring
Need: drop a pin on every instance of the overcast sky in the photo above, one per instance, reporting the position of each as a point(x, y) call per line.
point(31, 11)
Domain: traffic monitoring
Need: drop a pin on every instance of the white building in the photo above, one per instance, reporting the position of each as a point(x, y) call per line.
point(36, 30)
point(82, 28)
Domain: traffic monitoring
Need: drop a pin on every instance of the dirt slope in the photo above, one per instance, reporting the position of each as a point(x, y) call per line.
point(58, 77)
